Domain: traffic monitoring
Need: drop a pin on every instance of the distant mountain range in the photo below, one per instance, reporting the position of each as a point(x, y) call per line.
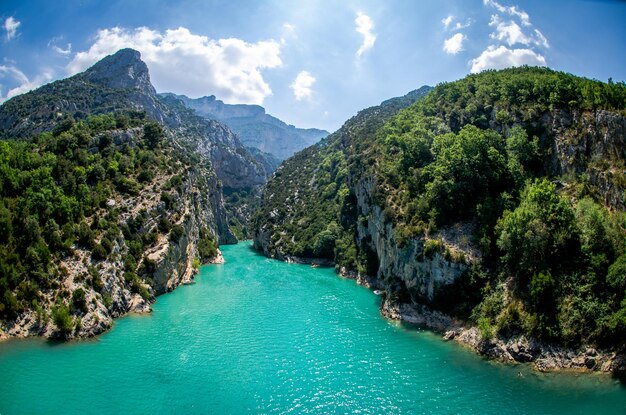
point(121, 82)
point(255, 127)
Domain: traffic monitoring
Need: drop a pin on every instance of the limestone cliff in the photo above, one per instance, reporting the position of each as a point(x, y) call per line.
point(419, 202)
point(111, 287)
point(151, 176)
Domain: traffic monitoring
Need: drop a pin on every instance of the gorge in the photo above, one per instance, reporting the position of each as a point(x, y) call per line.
point(259, 335)
point(490, 209)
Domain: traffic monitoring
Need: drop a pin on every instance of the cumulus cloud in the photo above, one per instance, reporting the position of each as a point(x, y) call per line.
point(447, 20)
point(454, 44)
point(301, 86)
point(288, 31)
point(512, 27)
point(22, 82)
point(511, 33)
point(10, 26)
point(365, 26)
point(513, 11)
point(191, 64)
point(502, 57)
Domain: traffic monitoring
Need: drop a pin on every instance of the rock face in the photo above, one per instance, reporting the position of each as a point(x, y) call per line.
point(255, 127)
point(121, 82)
point(209, 157)
point(517, 349)
point(123, 70)
point(412, 270)
point(197, 206)
point(397, 266)
point(402, 267)
point(591, 142)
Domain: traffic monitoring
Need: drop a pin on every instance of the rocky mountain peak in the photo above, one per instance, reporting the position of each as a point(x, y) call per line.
point(123, 69)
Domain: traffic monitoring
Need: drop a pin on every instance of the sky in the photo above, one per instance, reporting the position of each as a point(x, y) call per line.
point(311, 63)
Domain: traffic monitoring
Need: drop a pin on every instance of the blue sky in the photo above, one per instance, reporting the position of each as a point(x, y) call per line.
point(311, 63)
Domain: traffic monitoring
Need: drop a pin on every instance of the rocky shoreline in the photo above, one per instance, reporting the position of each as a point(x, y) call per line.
point(517, 349)
point(99, 319)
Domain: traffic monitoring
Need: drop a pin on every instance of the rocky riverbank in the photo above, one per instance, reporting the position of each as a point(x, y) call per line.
point(517, 349)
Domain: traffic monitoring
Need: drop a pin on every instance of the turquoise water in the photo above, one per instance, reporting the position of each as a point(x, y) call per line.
point(261, 336)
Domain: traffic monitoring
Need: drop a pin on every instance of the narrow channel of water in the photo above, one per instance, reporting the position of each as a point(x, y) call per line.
point(261, 336)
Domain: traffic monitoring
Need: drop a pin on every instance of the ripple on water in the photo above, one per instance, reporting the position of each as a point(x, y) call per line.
point(261, 336)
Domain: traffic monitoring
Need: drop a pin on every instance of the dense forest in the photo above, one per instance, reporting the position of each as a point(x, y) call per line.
point(529, 160)
point(75, 191)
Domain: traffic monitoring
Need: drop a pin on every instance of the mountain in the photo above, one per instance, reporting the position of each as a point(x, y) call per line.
point(492, 209)
point(255, 128)
point(121, 82)
point(109, 196)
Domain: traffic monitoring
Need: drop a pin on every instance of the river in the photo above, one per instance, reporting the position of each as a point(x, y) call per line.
point(255, 335)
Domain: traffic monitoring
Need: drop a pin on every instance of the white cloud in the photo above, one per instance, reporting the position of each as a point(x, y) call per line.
point(23, 84)
point(10, 26)
point(540, 39)
point(365, 26)
point(454, 45)
point(459, 25)
point(301, 86)
point(288, 31)
point(62, 51)
point(509, 32)
point(190, 64)
point(446, 21)
point(58, 49)
point(511, 11)
point(502, 57)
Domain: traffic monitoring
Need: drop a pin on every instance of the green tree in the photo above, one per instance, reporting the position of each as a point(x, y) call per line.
point(539, 235)
point(62, 319)
point(78, 300)
point(153, 134)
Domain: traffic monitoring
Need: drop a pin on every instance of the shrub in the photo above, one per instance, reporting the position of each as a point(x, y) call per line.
point(207, 247)
point(62, 319)
point(486, 329)
point(176, 233)
point(78, 300)
point(431, 247)
point(99, 253)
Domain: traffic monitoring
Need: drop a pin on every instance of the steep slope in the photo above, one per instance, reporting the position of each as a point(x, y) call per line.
point(497, 199)
point(255, 127)
point(101, 213)
point(307, 205)
point(121, 82)
point(98, 218)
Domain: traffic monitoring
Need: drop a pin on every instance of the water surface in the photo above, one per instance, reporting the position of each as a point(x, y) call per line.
point(261, 336)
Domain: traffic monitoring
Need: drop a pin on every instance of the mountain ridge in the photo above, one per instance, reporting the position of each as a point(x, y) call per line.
point(121, 82)
point(254, 126)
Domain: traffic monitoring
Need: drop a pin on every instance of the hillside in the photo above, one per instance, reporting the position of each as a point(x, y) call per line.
point(497, 199)
point(109, 196)
point(256, 128)
point(121, 82)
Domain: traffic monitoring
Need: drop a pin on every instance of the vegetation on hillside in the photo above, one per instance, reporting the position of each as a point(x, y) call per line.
point(480, 151)
point(308, 207)
point(64, 193)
